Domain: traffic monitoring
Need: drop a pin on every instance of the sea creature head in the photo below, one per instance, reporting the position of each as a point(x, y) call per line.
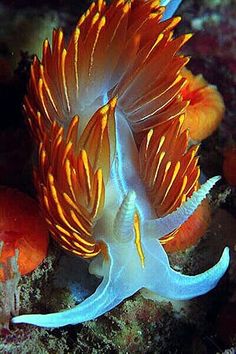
point(114, 172)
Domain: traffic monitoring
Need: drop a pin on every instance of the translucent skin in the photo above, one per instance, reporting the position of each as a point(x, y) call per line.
point(131, 264)
point(22, 227)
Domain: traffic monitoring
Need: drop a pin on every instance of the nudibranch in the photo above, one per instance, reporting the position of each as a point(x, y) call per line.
point(105, 112)
point(22, 227)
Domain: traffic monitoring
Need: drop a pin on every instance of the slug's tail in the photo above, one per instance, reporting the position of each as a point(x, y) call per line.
point(178, 286)
point(114, 288)
point(97, 304)
point(171, 7)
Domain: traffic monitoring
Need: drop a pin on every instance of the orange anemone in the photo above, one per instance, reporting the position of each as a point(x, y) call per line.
point(23, 228)
point(206, 107)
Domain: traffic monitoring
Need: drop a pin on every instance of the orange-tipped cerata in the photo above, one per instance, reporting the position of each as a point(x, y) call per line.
point(21, 227)
point(122, 56)
point(119, 50)
point(171, 175)
point(71, 177)
point(117, 82)
point(206, 106)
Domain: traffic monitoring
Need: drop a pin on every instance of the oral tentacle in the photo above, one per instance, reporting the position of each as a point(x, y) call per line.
point(116, 285)
point(163, 226)
point(123, 223)
point(94, 306)
point(178, 286)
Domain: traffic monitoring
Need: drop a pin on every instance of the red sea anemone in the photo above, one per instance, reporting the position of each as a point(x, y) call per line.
point(22, 228)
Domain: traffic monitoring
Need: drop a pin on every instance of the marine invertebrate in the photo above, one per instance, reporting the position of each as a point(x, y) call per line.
point(85, 105)
point(22, 228)
point(206, 106)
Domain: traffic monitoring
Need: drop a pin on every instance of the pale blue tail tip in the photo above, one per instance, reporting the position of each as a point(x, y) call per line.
point(171, 7)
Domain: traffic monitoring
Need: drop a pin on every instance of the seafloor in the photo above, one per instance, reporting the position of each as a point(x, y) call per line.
point(206, 325)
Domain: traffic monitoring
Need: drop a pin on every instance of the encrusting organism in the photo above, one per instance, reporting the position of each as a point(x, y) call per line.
point(106, 112)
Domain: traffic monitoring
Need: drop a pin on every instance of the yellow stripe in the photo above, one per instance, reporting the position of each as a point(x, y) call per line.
point(73, 128)
point(74, 205)
point(138, 238)
point(40, 89)
point(100, 26)
point(176, 170)
point(78, 245)
point(64, 231)
point(162, 155)
point(63, 59)
point(77, 221)
point(98, 193)
point(168, 165)
point(58, 205)
point(66, 151)
point(47, 88)
point(60, 39)
point(68, 177)
point(87, 173)
point(76, 39)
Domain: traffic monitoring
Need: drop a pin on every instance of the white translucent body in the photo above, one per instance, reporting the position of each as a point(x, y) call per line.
point(124, 273)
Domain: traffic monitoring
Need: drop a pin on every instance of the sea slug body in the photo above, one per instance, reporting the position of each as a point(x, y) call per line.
point(96, 110)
